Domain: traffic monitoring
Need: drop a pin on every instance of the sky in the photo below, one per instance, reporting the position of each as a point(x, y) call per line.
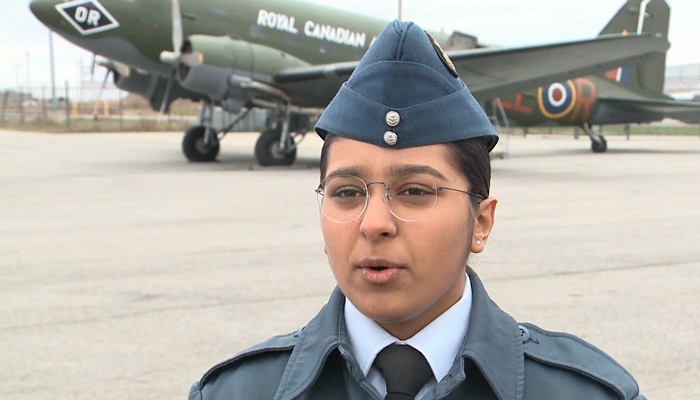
point(503, 22)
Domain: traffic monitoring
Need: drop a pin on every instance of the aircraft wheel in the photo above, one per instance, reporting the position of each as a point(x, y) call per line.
point(268, 152)
point(194, 148)
point(599, 146)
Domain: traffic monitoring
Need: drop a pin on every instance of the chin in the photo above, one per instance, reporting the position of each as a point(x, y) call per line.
point(383, 310)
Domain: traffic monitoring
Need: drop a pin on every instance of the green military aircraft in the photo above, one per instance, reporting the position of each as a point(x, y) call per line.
point(625, 95)
point(289, 57)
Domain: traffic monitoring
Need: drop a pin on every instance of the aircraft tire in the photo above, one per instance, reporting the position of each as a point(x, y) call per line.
point(599, 146)
point(268, 153)
point(193, 146)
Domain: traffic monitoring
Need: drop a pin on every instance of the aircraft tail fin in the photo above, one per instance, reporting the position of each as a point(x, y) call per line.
point(641, 16)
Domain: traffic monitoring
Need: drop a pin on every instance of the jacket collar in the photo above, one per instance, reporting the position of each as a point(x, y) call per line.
point(316, 342)
point(493, 344)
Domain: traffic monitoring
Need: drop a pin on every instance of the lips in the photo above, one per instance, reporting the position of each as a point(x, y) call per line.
point(379, 271)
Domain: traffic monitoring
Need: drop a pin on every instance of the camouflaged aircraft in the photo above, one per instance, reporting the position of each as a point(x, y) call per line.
point(290, 57)
point(630, 94)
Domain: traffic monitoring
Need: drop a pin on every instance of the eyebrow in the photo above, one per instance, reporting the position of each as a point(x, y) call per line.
point(351, 171)
point(403, 169)
point(414, 169)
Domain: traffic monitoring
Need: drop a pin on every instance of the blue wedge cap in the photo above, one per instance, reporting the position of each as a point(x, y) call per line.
point(405, 92)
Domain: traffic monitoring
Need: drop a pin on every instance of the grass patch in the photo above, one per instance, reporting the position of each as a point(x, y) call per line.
point(102, 125)
point(618, 130)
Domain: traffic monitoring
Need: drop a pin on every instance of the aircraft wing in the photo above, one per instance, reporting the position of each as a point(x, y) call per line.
point(684, 111)
point(491, 73)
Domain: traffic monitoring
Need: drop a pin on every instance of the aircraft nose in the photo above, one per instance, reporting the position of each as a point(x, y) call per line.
point(44, 10)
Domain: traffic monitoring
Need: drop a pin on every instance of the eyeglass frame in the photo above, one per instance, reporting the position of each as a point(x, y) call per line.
point(387, 198)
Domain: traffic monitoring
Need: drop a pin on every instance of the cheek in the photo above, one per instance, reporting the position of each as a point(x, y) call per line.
point(337, 241)
point(447, 242)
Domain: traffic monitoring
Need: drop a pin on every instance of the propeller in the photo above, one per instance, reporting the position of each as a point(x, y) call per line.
point(177, 58)
point(112, 67)
point(116, 66)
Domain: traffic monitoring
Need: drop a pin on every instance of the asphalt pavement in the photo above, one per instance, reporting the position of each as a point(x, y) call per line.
point(126, 272)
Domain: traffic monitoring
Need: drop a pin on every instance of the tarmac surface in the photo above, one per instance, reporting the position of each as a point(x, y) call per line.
point(126, 272)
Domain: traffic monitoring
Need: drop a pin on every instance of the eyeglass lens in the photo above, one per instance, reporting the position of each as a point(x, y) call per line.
point(409, 197)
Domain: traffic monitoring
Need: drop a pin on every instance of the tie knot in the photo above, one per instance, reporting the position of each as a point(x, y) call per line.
point(405, 371)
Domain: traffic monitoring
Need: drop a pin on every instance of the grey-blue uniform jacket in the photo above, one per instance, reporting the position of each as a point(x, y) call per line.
point(499, 360)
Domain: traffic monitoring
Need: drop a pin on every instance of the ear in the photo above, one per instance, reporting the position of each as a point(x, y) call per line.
point(485, 218)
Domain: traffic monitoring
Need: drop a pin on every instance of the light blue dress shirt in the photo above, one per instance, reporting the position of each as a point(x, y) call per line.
point(440, 341)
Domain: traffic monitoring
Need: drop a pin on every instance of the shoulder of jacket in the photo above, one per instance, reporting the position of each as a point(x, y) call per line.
point(567, 351)
point(276, 344)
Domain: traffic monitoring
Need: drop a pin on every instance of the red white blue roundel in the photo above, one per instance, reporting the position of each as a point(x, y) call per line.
point(557, 99)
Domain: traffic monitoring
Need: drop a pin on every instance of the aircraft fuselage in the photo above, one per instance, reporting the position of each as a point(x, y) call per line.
point(135, 32)
point(573, 103)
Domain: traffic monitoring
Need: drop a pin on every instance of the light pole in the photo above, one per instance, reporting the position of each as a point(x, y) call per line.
point(400, 10)
point(29, 79)
point(53, 72)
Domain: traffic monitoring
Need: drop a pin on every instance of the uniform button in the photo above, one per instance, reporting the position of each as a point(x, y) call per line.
point(524, 333)
point(393, 119)
point(390, 138)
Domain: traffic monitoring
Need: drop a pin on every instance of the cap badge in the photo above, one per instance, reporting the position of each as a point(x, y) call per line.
point(443, 56)
point(393, 119)
point(390, 138)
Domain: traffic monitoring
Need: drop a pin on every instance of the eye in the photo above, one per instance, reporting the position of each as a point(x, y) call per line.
point(415, 189)
point(348, 192)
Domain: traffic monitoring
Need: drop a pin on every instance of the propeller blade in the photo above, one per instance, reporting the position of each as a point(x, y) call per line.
point(92, 67)
point(99, 95)
point(177, 27)
point(173, 57)
point(166, 96)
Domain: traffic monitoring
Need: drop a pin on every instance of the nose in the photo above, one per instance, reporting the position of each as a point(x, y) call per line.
point(45, 11)
point(377, 221)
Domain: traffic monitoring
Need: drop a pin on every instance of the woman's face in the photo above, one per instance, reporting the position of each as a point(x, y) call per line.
point(403, 274)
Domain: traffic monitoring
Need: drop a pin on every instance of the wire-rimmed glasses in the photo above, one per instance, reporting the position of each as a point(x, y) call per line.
point(410, 197)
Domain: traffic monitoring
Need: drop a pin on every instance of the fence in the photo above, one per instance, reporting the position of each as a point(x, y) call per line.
point(89, 109)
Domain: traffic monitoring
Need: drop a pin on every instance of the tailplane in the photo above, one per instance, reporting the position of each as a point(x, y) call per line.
point(641, 16)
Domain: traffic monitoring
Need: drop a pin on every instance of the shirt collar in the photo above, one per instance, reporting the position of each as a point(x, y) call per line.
point(367, 338)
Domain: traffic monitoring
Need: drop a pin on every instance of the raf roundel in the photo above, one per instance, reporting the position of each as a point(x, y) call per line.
point(557, 100)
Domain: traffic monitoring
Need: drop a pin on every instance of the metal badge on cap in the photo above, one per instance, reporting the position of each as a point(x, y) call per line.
point(390, 138)
point(393, 119)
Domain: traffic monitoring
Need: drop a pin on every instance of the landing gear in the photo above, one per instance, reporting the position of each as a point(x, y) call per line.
point(600, 145)
point(277, 145)
point(269, 151)
point(196, 147)
point(201, 142)
point(598, 142)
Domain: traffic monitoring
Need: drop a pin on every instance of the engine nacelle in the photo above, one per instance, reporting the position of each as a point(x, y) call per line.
point(222, 57)
point(153, 88)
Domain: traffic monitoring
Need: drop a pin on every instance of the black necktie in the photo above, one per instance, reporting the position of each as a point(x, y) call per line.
point(405, 371)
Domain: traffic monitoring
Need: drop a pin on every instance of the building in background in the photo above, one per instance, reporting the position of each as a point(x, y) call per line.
point(683, 82)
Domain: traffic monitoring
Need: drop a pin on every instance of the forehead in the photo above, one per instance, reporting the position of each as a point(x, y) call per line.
point(372, 159)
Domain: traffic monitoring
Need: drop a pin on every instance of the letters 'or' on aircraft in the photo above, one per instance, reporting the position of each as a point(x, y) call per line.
point(632, 93)
point(287, 56)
